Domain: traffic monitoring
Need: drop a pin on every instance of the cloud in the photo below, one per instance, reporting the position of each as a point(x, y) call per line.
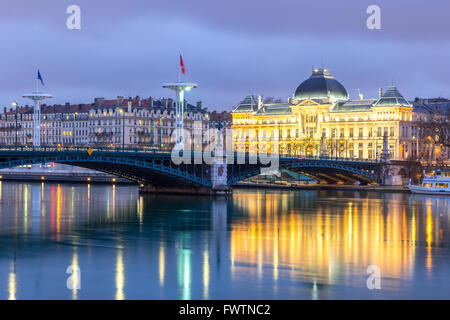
point(230, 49)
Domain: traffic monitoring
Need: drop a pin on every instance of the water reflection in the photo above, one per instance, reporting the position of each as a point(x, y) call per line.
point(255, 244)
point(12, 285)
point(120, 276)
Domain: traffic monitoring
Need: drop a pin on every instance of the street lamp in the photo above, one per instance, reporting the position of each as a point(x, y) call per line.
point(431, 149)
point(161, 123)
point(14, 104)
point(74, 118)
point(417, 146)
point(123, 129)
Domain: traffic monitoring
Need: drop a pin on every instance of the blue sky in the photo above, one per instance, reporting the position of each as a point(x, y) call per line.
point(230, 48)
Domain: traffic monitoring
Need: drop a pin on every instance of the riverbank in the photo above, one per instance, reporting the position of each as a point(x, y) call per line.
point(59, 173)
point(324, 187)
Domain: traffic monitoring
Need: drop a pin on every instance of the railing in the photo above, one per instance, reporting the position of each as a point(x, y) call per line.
point(77, 149)
point(155, 151)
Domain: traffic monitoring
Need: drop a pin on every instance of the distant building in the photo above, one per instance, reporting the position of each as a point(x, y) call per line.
point(131, 122)
point(225, 118)
point(432, 125)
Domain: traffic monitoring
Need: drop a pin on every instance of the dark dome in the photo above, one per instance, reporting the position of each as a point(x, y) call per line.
point(321, 85)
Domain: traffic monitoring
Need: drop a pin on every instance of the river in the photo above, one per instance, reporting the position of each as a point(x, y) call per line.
point(254, 244)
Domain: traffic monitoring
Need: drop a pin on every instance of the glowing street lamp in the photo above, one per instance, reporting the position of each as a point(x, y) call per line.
point(123, 129)
point(15, 105)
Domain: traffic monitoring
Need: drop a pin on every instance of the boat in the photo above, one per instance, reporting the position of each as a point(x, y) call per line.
point(436, 183)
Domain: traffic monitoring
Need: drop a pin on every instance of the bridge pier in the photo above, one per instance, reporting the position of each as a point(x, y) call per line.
point(185, 190)
point(390, 176)
point(175, 190)
point(219, 179)
point(219, 184)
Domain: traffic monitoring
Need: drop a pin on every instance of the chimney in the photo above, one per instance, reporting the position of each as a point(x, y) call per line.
point(150, 102)
point(99, 102)
point(119, 100)
point(199, 104)
point(380, 92)
point(129, 105)
point(4, 110)
point(259, 101)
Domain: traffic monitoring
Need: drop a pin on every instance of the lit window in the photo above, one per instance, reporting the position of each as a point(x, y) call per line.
point(441, 185)
point(428, 185)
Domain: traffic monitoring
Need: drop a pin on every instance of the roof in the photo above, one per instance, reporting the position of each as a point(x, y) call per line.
point(274, 109)
point(353, 105)
point(420, 107)
point(440, 107)
point(249, 104)
point(392, 97)
point(321, 85)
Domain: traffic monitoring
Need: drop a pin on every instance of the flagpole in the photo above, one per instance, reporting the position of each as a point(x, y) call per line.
point(179, 75)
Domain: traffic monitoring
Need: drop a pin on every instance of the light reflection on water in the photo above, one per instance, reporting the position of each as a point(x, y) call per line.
point(255, 244)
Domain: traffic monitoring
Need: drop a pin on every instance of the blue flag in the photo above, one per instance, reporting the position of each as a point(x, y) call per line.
point(40, 78)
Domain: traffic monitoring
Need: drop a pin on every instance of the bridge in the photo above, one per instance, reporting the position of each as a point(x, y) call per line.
point(155, 171)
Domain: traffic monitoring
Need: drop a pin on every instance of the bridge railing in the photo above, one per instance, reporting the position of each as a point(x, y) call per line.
point(77, 149)
point(155, 151)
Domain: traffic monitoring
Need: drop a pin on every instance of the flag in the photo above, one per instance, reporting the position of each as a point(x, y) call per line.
point(40, 78)
point(183, 68)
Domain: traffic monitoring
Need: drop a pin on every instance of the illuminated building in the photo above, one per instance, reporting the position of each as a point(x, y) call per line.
point(320, 107)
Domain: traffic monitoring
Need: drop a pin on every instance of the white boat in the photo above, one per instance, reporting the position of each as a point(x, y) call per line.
point(436, 183)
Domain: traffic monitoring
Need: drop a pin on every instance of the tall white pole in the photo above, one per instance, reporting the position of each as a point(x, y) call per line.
point(37, 123)
point(181, 111)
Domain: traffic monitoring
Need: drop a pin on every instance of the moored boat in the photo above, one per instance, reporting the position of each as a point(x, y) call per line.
point(436, 183)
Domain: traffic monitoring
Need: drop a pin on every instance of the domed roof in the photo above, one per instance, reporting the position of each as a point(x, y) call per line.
point(321, 85)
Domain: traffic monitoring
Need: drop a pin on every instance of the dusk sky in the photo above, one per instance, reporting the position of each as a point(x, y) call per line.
point(230, 48)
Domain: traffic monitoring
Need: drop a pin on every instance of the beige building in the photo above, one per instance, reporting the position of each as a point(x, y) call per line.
point(129, 123)
point(320, 114)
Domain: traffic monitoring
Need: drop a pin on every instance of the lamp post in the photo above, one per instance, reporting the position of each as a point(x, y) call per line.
point(74, 118)
point(161, 123)
point(14, 104)
point(430, 158)
point(417, 146)
point(123, 129)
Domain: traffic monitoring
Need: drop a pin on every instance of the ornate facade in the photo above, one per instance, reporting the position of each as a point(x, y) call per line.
point(320, 119)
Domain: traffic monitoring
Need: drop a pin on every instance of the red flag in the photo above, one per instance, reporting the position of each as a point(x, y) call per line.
point(183, 68)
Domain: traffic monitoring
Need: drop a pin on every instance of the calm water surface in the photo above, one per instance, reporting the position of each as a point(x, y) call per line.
point(254, 244)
